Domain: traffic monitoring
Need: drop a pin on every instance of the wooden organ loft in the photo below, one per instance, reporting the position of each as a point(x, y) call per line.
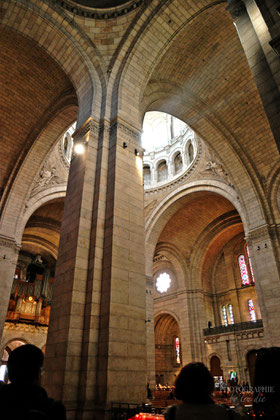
point(31, 295)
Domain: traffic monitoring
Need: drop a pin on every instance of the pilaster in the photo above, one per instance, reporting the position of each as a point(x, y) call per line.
point(262, 243)
point(66, 340)
point(150, 332)
point(122, 339)
point(9, 250)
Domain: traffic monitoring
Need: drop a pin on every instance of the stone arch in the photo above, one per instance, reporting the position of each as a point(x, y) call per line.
point(215, 365)
point(84, 67)
point(168, 206)
point(37, 201)
point(12, 340)
point(273, 187)
point(14, 213)
point(147, 173)
point(177, 159)
point(204, 241)
point(168, 312)
point(178, 261)
point(189, 151)
point(162, 170)
point(141, 45)
point(167, 330)
point(158, 93)
point(222, 141)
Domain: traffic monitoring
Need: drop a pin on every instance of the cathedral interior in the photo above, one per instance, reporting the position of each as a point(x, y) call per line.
point(139, 191)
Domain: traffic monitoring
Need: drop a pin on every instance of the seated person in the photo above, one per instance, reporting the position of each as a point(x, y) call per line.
point(266, 403)
point(24, 398)
point(194, 386)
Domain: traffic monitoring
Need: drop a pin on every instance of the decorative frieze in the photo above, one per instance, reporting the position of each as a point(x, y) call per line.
point(24, 327)
point(9, 243)
point(127, 133)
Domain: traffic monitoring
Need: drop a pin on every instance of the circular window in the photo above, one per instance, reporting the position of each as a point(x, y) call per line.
point(163, 282)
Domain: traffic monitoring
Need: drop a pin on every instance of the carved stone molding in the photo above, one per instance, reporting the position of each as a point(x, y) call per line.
point(89, 126)
point(215, 169)
point(263, 232)
point(9, 243)
point(127, 133)
point(236, 8)
point(22, 327)
point(95, 13)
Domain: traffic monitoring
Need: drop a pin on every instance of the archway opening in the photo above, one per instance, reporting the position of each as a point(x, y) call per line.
point(167, 349)
point(216, 371)
point(12, 345)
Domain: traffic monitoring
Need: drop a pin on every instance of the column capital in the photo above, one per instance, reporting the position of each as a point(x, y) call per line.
point(236, 8)
point(129, 133)
point(261, 233)
point(10, 243)
point(90, 125)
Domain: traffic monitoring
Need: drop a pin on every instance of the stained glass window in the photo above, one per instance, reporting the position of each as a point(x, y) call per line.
point(243, 270)
point(177, 347)
point(230, 312)
point(224, 314)
point(252, 310)
point(250, 264)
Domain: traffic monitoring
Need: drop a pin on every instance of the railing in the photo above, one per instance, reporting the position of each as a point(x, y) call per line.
point(242, 326)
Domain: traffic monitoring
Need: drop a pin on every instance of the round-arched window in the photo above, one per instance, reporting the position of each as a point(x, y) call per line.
point(163, 282)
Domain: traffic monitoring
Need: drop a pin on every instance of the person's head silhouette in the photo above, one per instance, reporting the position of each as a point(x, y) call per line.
point(25, 364)
point(194, 384)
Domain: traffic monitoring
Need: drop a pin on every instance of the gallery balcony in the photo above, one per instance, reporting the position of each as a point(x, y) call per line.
point(241, 326)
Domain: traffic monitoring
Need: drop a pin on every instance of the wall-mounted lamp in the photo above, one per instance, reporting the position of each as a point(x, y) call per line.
point(136, 152)
point(124, 145)
point(79, 148)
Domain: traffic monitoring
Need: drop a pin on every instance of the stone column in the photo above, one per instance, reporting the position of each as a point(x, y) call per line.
point(122, 340)
point(69, 348)
point(263, 61)
point(8, 259)
point(262, 243)
point(197, 323)
point(185, 328)
point(150, 332)
point(96, 346)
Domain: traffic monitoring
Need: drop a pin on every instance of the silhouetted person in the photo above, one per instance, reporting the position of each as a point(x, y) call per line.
point(266, 403)
point(24, 398)
point(194, 386)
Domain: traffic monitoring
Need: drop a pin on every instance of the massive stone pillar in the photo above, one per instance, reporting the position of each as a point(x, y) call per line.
point(8, 258)
point(262, 244)
point(258, 31)
point(96, 351)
